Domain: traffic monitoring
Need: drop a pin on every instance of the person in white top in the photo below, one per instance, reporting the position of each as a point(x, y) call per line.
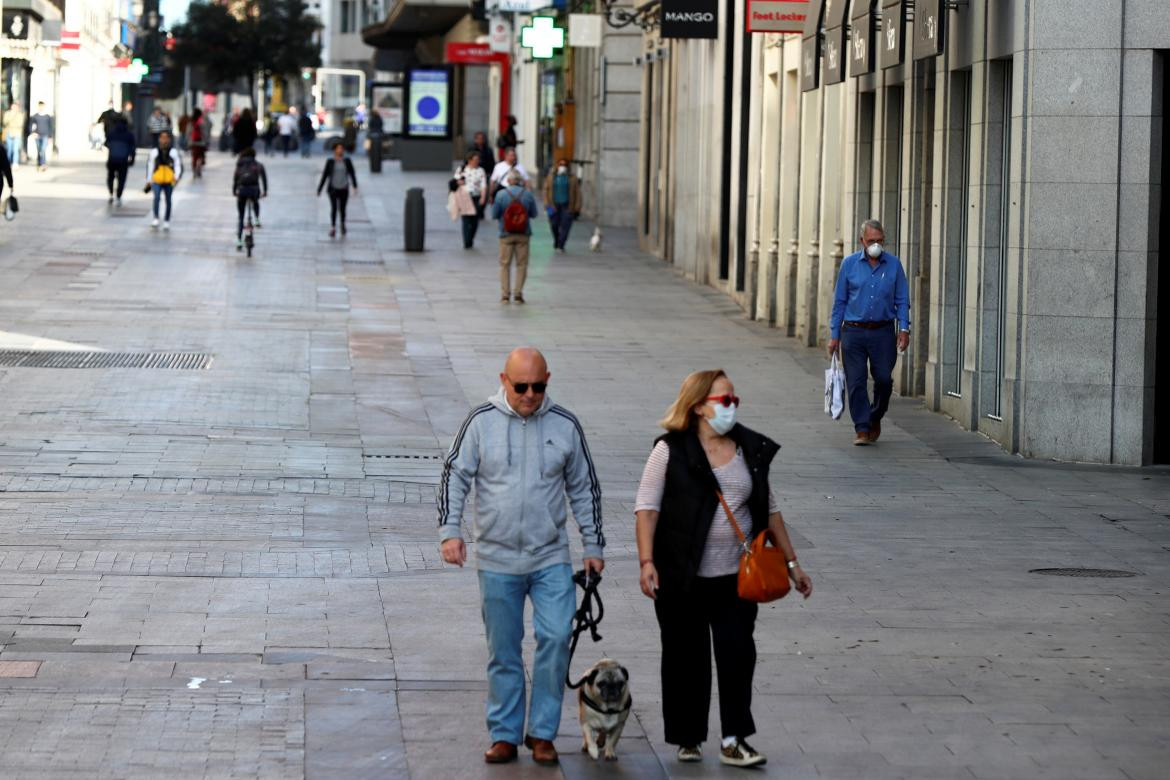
point(689, 556)
point(286, 126)
point(499, 178)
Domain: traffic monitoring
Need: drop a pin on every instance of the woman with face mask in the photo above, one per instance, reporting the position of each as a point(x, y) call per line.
point(689, 557)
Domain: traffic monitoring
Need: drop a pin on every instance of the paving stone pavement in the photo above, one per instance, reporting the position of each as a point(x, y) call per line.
point(232, 572)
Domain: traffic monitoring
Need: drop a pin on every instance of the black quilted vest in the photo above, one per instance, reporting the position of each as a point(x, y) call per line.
point(689, 501)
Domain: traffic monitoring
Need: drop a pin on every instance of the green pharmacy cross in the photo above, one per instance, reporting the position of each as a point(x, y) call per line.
point(542, 37)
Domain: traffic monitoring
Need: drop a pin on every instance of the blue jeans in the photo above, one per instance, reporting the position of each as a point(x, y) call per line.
point(560, 222)
point(41, 142)
point(879, 349)
point(162, 189)
point(554, 602)
point(12, 146)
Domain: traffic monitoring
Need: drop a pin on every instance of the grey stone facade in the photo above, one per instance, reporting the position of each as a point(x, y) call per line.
point(1018, 175)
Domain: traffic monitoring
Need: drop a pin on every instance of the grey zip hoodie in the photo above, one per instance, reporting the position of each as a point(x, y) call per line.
point(522, 469)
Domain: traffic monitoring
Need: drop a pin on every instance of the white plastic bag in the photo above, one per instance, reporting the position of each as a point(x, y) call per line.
point(834, 388)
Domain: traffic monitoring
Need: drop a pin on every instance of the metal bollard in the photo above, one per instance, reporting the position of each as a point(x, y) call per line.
point(414, 220)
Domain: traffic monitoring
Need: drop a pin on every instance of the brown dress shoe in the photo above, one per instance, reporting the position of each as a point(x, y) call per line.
point(543, 750)
point(875, 430)
point(500, 753)
point(862, 439)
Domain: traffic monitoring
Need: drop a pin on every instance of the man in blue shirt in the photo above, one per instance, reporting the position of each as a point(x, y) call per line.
point(872, 294)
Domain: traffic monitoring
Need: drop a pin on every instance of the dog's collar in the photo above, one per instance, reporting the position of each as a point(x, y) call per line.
point(597, 707)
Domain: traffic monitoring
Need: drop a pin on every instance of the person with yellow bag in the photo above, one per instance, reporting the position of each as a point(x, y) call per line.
point(711, 546)
point(164, 168)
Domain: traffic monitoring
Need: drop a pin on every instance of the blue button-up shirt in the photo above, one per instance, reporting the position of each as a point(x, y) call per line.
point(866, 294)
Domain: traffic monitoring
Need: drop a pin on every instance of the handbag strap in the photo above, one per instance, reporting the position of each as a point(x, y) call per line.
point(731, 517)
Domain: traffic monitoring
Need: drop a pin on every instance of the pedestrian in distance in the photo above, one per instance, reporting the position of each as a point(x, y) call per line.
point(508, 139)
point(269, 135)
point(524, 455)
point(286, 127)
point(689, 555)
point(14, 122)
point(5, 176)
point(40, 126)
point(249, 183)
point(487, 160)
point(514, 208)
point(471, 196)
point(337, 175)
point(244, 130)
point(505, 167)
point(307, 133)
point(562, 198)
point(199, 134)
point(109, 118)
point(872, 295)
point(120, 150)
point(157, 124)
point(164, 169)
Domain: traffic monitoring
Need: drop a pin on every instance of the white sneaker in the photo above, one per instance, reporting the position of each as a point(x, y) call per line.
point(154, 222)
point(740, 753)
point(167, 225)
point(118, 203)
point(690, 754)
point(111, 200)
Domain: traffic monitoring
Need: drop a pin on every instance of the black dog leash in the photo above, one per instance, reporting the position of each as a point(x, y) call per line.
point(585, 619)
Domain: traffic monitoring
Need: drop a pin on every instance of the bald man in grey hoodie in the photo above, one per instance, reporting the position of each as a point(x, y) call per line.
point(524, 454)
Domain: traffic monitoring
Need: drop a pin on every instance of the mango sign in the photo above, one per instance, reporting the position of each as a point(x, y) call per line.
point(777, 16)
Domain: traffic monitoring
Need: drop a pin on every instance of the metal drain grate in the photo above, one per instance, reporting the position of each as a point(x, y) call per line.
point(1107, 573)
point(394, 456)
point(41, 358)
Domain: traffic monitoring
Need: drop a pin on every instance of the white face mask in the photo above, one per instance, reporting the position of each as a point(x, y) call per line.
point(724, 419)
point(562, 171)
point(874, 250)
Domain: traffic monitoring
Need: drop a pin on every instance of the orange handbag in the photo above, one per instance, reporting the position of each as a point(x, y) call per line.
point(763, 569)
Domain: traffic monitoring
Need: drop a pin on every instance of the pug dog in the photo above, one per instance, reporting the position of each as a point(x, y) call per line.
point(603, 704)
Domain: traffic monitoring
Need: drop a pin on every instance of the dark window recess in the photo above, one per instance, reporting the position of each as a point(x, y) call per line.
point(1162, 313)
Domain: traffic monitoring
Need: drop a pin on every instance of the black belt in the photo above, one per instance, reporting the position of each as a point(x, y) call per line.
point(869, 325)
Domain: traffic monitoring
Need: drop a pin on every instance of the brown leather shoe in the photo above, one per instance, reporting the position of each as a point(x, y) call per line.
point(543, 750)
point(875, 430)
point(862, 439)
point(500, 753)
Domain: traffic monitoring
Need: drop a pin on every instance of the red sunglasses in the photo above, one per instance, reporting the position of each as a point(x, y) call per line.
point(727, 399)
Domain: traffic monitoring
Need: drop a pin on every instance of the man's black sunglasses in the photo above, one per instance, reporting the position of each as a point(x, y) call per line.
point(521, 388)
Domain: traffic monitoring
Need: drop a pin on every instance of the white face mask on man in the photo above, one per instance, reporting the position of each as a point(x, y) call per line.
point(562, 170)
point(875, 250)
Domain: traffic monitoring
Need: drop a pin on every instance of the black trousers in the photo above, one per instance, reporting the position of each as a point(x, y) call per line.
point(242, 206)
point(710, 613)
point(470, 227)
point(337, 201)
point(116, 171)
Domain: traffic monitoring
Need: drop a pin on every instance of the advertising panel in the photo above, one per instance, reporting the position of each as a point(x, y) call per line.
point(777, 16)
point(387, 101)
point(690, 18)
point(428, 92)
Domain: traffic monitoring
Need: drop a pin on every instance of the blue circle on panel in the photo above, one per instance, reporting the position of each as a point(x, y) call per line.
point(428, 108)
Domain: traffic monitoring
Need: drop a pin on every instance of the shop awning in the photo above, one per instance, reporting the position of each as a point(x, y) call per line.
point(410, 21)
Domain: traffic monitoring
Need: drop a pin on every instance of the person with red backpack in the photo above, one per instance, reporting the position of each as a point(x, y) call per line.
point(250, 183)
point(514, 209)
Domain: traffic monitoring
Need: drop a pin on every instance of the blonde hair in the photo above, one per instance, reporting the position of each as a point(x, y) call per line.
point(694, 391)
